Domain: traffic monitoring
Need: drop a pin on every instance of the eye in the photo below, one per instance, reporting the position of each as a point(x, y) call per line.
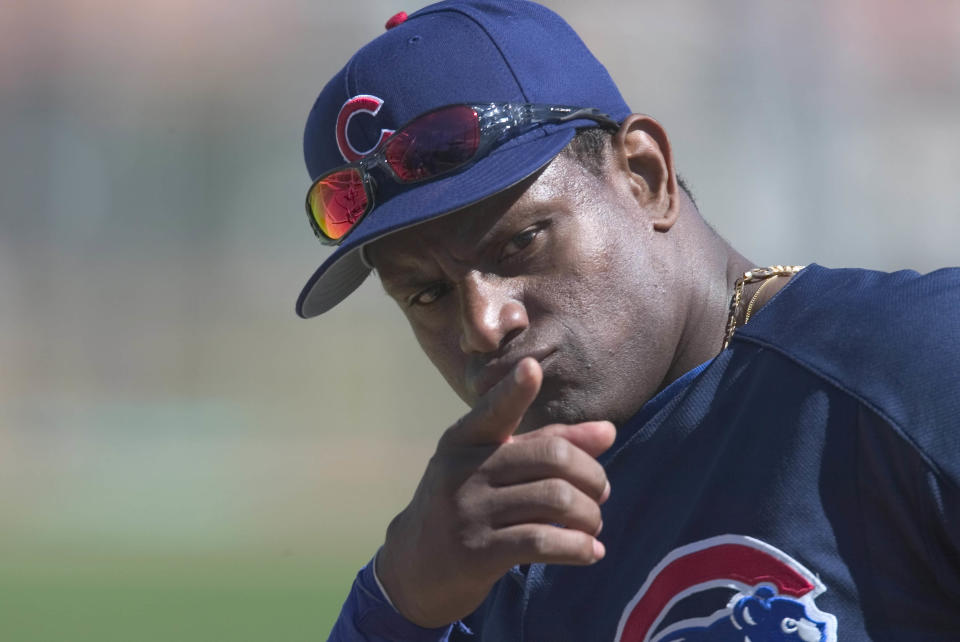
point(789, 625)
point(521, 241)
point(428, 295)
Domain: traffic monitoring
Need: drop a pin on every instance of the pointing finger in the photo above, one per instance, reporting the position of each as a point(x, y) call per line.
point(498, 413)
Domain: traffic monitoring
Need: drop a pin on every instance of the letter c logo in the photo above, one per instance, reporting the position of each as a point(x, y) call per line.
point(362, 104)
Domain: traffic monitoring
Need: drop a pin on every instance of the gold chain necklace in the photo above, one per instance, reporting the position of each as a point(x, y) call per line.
point(752, 276)
point(754, 298)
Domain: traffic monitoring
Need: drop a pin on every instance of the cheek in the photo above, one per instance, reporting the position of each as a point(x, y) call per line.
point(608, 296)
point(442, 347)
point(591, 283)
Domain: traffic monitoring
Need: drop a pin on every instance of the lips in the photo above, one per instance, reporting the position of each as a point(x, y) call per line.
point(483, 376)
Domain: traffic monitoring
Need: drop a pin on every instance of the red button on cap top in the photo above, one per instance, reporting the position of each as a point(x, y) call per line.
point(396, 20)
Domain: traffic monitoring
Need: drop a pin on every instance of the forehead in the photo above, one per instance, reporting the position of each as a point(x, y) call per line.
point(460, 232)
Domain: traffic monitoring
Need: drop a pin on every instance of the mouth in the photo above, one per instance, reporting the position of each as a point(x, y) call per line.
point(482, 377)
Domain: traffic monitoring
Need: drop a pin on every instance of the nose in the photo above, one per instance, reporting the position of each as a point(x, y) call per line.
point(490, 313)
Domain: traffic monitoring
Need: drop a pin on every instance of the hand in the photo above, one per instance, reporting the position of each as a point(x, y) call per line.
point(490, 500)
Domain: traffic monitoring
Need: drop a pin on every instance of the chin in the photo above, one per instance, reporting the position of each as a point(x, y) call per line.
point(558, 410)
point(577, 405)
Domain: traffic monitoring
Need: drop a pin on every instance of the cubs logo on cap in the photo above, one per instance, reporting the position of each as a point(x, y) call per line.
point(362, 104)
point(773, 596)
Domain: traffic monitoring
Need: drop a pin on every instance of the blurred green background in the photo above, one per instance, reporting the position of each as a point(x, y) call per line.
point(180, 457)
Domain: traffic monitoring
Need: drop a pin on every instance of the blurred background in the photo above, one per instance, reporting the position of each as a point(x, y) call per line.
point(180, 456)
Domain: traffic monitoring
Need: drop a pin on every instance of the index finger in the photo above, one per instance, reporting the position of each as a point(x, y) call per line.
point(498, 413)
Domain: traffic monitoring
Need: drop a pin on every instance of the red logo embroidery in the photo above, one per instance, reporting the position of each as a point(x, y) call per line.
point(774, 597)
point(362, 104)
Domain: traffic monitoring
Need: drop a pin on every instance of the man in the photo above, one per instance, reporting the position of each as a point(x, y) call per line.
point(619, 477)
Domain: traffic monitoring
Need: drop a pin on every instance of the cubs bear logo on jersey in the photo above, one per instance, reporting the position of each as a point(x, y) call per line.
point(361, 104)
point(773, 596)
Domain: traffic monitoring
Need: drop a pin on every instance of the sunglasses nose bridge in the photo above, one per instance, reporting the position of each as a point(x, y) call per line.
point(372, 184)
point(382, 183)
point(379, 164)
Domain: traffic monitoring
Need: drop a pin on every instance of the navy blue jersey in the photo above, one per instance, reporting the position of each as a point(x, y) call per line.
point(802, 485)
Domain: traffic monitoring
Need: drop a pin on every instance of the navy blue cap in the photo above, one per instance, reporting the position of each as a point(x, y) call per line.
point(458, 51)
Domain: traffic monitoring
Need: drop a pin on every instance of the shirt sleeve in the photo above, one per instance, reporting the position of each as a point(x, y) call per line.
point(368, 616)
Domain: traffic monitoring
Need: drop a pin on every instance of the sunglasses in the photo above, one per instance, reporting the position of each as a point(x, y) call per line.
point(429, 146)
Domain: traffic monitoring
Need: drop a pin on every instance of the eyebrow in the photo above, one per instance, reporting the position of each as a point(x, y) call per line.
point(407, 279)
point(526, 217)
point(402, 284)
point(496, 232)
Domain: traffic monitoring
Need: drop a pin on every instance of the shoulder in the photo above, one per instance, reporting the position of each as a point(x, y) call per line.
point(844, 321)
point(877, 302)
point(892, 340)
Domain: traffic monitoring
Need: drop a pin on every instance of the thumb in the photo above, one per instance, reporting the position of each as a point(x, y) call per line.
point(592, 437)
point(498, 413)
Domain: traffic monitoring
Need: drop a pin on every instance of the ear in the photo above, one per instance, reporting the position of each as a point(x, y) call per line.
point(642, 151)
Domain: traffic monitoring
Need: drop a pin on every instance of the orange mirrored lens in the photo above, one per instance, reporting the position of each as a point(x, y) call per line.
point(338, 201)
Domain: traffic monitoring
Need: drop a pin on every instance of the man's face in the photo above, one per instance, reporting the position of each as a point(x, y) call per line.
point(564, 267)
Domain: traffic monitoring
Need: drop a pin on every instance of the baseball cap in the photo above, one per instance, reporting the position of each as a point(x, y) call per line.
point(457, 51)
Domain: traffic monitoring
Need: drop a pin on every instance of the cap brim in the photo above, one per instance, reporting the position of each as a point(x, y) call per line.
point(345, 270)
